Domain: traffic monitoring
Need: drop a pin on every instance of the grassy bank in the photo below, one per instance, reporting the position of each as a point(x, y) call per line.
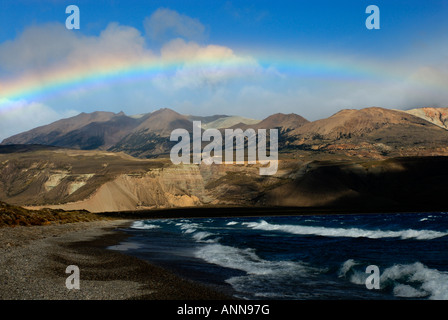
point(17, 216)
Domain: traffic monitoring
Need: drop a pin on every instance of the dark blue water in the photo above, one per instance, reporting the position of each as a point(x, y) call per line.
point(303, 257)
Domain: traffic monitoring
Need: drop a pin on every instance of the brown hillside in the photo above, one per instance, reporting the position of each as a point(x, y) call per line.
point(348, 123)
point(163, 121)
point(373, 133)
point(438, 116)
point(279, 120)
point(47, 133)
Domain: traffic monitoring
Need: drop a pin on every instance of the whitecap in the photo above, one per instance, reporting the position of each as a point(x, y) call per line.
point(187, 227)
point(429, 282)
point(246, 260)
point(347, 232)
point(346, 267)
point(202, 236)
point(406, 291)
point(413, 280)
point(263, 278)
point(143, 225)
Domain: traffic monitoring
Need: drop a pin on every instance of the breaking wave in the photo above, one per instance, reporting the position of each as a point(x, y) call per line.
point(413, 280)
point(347, 232)
point(305, 258)
point(143, 225)
point(263, 278)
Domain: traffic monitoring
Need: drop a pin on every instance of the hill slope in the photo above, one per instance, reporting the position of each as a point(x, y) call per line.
point(438, 116)
point(372, 131)
point(283, 121)
point(87, 131)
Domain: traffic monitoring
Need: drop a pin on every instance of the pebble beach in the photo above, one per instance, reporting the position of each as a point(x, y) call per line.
point(33, 262)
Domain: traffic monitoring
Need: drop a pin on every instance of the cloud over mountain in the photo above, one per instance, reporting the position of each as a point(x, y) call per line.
point(20, 116)
point(165, 23)
point(170, 61)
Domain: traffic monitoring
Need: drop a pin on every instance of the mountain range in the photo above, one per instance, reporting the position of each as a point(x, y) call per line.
point(366, 159)
point(370, 132)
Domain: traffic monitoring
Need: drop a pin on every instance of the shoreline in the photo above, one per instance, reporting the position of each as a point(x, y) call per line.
point(104, 274)
point(254, 211)
point(107, 274)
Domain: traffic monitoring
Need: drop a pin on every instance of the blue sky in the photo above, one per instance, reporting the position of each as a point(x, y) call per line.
point(325, 24)
point(308, 57)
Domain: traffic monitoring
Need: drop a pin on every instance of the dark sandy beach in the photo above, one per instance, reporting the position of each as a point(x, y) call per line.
point(34, 259)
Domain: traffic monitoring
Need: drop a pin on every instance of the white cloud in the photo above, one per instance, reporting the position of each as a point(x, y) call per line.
point(19, 116)
point(166, 23)
point(37, 48)
point(115, 43)
point(41, 49)
point(187, 64)
point(203, 66)
point(195, 78)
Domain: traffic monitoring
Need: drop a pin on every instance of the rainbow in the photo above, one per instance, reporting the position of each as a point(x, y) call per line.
point(56, 80)
point(60, 79)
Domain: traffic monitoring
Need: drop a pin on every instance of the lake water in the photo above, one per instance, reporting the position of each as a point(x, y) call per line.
point(303, 257)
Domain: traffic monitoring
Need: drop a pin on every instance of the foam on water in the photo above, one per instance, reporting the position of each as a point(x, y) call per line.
point(346, 267)
point(406, 291)
point(247, 260)
point(263, 278)
point(432, 282)
point(413, 280)
point(278, 257)
point(201, 236)
point(143, 225)
point(195, 231)
point(347, 232)
point(427, 218)
point(188, 227)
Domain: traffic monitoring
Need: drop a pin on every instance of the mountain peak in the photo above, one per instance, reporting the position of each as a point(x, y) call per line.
point(163, 121)
point(282, 120)
point(165, 110)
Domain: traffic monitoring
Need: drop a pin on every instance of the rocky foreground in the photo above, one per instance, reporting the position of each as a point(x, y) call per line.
point(33, 262)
